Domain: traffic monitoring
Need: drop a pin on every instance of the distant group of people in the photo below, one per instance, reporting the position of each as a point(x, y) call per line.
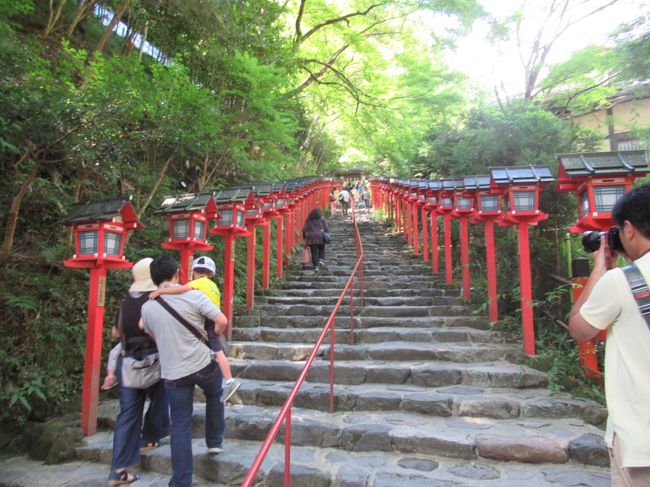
point(183, 330)
point(356, 194)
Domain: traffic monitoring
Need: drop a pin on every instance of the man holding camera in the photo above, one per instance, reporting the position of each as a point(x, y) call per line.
point(607, 302)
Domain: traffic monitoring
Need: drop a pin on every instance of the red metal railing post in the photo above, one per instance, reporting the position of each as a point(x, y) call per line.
point(332, 342)
point(287, 450)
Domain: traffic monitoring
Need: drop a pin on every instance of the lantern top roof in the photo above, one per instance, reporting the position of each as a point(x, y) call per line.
point(434, 184)
point(451, 184)
point(278, 186)
point(291, 185)
point(232, 195)
point(102, 210)
point(414, 183)
point(521, 175)
point(187, 202)
point(263, 189)
point(605, 163)
point(423, 184)
point(476, 183)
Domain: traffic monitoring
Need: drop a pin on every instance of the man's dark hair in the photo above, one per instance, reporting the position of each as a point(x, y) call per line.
point(162, 268)
point(635, 207)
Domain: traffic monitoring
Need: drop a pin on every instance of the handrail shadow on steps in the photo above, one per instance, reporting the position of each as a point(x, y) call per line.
point(285, 413)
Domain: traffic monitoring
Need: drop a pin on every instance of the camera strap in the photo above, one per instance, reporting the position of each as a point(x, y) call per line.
point(640, 290)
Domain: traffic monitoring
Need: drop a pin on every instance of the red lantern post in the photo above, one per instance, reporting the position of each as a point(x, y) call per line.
point(432, 205)
point(230, 224)
point(187, 218)
point(488, 211)
point(423, 187)
point(520, 187)
point(269, 212)
point(413, 199)
point(598, 180)
point(463, 209)
point(100, 229)
point(282, 208)
point(446, 207)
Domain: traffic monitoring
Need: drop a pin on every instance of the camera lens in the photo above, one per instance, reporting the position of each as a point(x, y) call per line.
point(614, 239)
point(591, 241)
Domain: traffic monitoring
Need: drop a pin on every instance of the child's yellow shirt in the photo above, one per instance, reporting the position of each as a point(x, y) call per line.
point(207, 287)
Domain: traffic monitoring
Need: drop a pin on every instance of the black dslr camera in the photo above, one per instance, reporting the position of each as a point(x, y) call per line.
point(591, 240)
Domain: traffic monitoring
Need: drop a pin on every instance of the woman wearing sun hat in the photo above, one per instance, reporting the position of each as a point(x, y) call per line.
point(131, 436)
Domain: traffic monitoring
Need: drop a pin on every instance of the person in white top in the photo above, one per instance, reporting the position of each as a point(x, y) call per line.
point(607, 303)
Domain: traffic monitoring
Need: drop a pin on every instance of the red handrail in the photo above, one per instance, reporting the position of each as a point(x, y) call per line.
point(285, 412)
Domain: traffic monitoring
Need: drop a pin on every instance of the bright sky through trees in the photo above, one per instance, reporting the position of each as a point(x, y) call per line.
point(489, 64)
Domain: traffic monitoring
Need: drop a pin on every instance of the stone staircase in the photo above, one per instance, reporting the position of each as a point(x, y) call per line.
point(427, 395)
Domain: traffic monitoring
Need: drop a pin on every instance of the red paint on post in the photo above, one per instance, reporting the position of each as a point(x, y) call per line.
point(449, 276)
point(527, 324)
point(266, 254)
point(490, 252)
point(425, 234)
point(464, 257)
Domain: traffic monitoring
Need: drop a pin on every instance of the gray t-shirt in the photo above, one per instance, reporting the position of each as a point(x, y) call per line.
point(181, 353)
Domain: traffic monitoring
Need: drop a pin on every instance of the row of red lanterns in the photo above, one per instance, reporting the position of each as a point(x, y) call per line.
point(100, 229)
point(507, 196)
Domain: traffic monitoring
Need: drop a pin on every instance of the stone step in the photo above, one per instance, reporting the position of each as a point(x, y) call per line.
point(305, 291)
point(497, 403)
point(330, 467)
point(420, 373)
point(330, 300)
point(366, 311)
point(529, 440)
point(371, 335)
point(341, 321)
point(391, 351)
point(21, 472)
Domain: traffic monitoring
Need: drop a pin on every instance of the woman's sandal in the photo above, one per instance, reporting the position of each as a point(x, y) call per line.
point(123, 478)
point(149, 446)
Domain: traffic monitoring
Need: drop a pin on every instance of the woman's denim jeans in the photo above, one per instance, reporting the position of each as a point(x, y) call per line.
point(130, 432)
point(180, 393)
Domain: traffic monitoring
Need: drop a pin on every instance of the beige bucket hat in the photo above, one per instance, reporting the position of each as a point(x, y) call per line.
point(142, 276)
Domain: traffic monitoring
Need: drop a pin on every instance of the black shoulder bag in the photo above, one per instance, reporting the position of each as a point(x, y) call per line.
point(640, 290)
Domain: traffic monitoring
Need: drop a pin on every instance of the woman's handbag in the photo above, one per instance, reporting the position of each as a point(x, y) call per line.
point(306, 255)
point(327, 238)
point(140, 374)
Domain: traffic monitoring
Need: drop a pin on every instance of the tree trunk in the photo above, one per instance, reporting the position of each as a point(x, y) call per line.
point(84, 10)
point(124, 4)
point(53, 17)
point(154, 190)
point(14, 210)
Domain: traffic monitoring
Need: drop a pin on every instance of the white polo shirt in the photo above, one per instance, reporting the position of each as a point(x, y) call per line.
point(611, 306)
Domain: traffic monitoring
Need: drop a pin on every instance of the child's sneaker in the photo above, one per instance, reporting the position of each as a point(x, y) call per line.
point(230, 386)
point(110, 381)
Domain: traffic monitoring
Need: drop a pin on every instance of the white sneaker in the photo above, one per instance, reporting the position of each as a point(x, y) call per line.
point(229, 388)
point(215, 450)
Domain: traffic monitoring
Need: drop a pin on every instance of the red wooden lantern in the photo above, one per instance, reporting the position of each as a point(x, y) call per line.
point(487, 210)
point(188, 217)
point(446, 207)
point(265, 196)
point(281, 208)
point(413, 201)
point(422, 209)
point(433, 191)
point(598, 180)
point(520, 187)
point(100, 229)
point(463, 209)
point(231, 223)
